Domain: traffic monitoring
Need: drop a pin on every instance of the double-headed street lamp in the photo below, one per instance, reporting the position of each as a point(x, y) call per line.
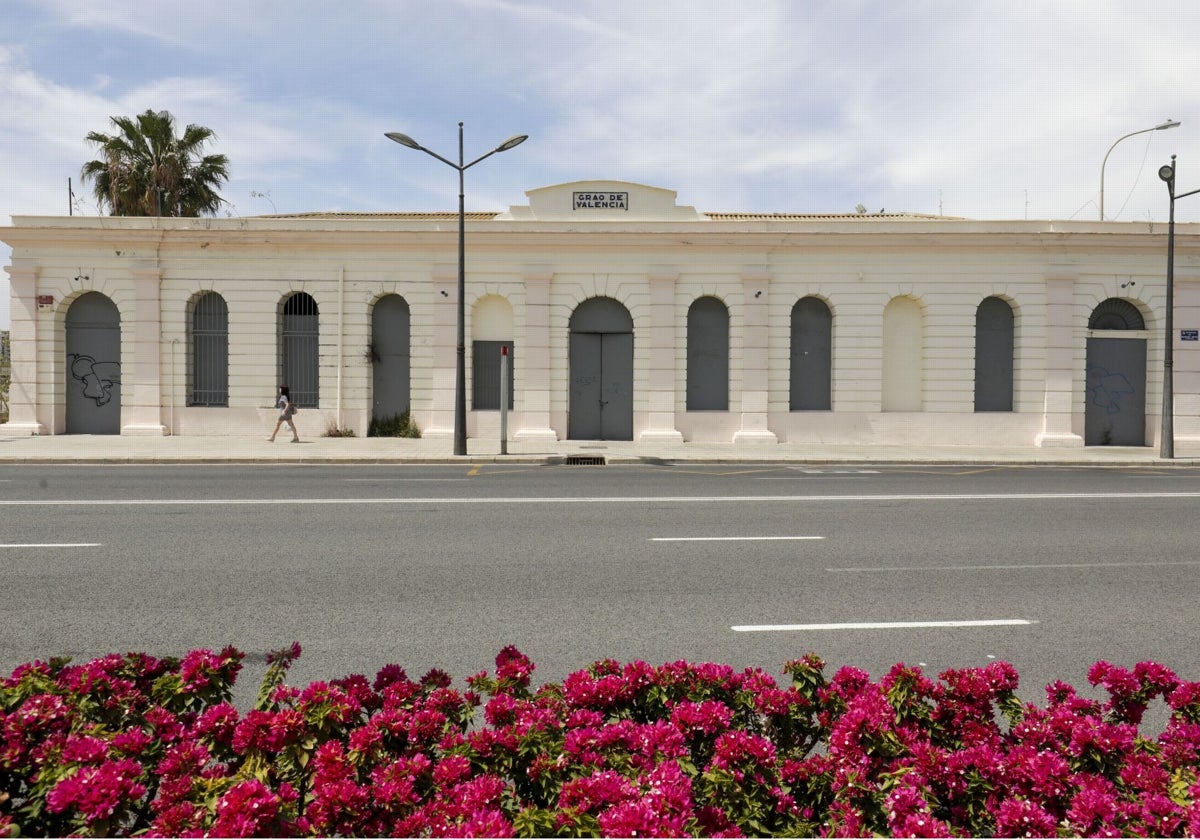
point(1160, 127)
point(460, 370)
point(1167, 433)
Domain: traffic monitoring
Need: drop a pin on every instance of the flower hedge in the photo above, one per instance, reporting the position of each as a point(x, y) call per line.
point(134, 744)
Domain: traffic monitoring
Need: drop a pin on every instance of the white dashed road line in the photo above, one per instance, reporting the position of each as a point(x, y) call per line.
point(728, 539)
point(50, 545)
point(879, 625)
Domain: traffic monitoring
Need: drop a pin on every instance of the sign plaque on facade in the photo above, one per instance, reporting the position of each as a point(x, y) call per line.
point(600, 201)
point(1189, 335)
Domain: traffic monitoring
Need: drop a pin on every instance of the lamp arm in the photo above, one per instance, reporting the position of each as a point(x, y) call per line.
point(439, 157)
point(1186, 194)
point(477, 160)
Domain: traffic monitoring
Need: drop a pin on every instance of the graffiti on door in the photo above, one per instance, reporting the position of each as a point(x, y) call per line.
point(96, 379)
point(1106, 389)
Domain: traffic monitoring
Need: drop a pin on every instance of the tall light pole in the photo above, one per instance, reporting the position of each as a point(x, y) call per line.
point(1167, 433)
point(460, 369)
point(1159, 127)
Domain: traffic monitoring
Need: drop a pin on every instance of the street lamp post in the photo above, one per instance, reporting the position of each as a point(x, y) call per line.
point(1167, 433)
point(460, 369)
point(1159, 127)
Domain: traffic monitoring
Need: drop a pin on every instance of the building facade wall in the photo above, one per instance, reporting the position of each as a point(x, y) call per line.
point(543, 261)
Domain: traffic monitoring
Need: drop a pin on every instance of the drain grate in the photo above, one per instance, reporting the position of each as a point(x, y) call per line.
point(585, 461)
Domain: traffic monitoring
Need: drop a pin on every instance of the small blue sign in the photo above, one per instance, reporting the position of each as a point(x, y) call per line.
point(1189, 335)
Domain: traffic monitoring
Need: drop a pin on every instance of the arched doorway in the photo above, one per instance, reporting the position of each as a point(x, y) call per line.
point(390, 319)
point(601, 361)
point(1116, 376)
point(93, 367)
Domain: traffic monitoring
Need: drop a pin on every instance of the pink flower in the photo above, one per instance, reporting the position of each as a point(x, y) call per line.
point(96, 792)
point(83, 749)
point(514, 666)
point(250, 809)
point(705, 718)
point(388, 675)
point(604, 787)
point(451, 770)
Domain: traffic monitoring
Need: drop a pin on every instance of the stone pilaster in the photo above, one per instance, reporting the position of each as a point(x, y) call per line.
point(755, 408)
point(445, 351)
point(533, 357)
point(1060, 366)
point(141, 382)
point(23, 415)
point(663, 375)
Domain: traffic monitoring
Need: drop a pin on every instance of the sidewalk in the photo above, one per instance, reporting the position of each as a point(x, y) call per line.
point(117, 449)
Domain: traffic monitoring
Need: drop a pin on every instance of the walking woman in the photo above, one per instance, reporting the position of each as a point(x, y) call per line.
point(286, 412)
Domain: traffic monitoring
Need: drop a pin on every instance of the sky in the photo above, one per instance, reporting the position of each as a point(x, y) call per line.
point(983, 110)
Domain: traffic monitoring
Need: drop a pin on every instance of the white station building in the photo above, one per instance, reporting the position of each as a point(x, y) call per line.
point(625, 316)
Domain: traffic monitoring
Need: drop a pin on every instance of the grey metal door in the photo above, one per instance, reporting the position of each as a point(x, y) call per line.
point(93, 366)
point(1116, 392)
point(389, 357)
point(601, 403)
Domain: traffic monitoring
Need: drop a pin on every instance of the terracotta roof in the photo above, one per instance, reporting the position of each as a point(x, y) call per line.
point(803, 217)
point(339, 214)
point(484, 216)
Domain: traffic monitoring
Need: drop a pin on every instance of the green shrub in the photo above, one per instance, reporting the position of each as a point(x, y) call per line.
point(397, 425)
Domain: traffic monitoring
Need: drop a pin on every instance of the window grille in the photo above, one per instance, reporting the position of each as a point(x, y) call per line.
point(299, 355)
point(485, 379)
point(210, 351)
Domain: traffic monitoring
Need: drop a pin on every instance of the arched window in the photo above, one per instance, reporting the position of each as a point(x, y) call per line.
point(299, 354)
point(903, 356)
point(708, 355)
point(994, 355)
point(812, 356)
point(1116, 314)
point(209, 345)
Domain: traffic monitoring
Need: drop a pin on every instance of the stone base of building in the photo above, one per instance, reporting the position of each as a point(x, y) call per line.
point(755, 437)
point(20, 429)
point(151, 430)
point(1046, 441)
point(536, 436)
point(660, 436)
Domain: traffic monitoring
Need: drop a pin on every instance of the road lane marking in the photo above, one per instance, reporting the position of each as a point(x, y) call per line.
point(727, 539)
point(626, 500)
point(1015, 566)
point(50, 545)
point(368, 480)
point(880, 625)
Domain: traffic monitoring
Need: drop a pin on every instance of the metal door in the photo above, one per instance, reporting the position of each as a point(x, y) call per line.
point(93, 366)
point(1116, 392)
point(601, 406)
point(389, 358)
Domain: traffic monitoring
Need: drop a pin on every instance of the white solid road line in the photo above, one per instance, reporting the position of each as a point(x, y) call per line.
point(727, 539)
point(49, 545)
point(879, 625)
point(620, 500)
point(1014, 566)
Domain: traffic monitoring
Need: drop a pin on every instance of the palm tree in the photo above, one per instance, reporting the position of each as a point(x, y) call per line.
point(145, 170)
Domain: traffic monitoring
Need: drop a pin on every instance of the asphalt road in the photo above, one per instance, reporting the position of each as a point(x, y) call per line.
point(441, 566)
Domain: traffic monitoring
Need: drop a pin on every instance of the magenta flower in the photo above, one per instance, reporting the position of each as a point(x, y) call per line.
point(98, 792)
point(514, 666)
point(708, 717)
